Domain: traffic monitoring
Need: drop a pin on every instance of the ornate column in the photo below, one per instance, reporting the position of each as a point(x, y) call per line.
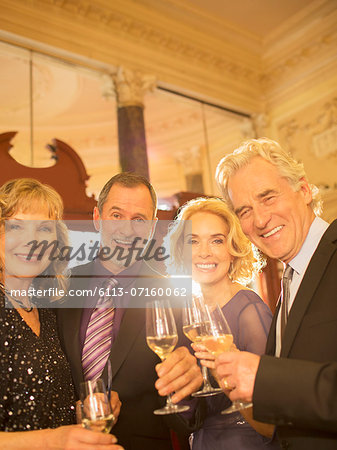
point(130, 88)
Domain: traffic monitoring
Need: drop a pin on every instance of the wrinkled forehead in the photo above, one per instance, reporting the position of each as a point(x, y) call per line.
point(133, 200)
point(257, 174)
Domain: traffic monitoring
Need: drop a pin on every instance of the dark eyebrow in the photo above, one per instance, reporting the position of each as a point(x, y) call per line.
point(260, 196)
point(266, 193)
point(117, 208)
point(238, 210)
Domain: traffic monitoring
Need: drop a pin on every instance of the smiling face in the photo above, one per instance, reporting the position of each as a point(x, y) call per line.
point(127, 214)
point(19, 230)
point(210, 257)
point(273, 216)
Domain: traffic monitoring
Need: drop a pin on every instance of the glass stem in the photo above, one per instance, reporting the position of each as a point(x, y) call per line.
point(204, 372)
point(169, 401)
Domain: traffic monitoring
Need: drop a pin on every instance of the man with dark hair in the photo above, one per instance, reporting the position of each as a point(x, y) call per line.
point(126, 211)
point(128, 180)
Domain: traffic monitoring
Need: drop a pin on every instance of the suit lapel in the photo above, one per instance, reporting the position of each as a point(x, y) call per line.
point(311, 279)
point(132, 324)
point(71, 322)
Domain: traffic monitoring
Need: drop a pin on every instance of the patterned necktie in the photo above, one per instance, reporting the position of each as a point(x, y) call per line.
point(286, 280)
point(97, 344)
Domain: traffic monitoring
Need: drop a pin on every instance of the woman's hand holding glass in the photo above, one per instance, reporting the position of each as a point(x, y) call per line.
point(194, 328)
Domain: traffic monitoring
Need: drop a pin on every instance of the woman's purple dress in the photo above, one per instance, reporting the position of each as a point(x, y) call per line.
point(249, 319)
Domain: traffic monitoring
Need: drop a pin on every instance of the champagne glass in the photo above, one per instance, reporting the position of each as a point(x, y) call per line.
point(219, 339)
point(194, 328)
point(95, 408)
point(162, 337)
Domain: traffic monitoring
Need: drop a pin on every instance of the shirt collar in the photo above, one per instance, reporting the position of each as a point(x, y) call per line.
point(300, 262)
point(125, 278)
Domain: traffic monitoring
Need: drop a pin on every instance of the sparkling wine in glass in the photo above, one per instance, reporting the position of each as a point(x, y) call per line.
point(194, 328)
point(95, 408)
point(162, 337)
point(219, 339)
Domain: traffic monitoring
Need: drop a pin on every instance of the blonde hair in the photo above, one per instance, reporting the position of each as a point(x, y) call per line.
point(29, 195)
point(245, 262)
point(272, 152)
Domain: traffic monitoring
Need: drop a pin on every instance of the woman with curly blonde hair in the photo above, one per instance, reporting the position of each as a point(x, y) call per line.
point(207, 241)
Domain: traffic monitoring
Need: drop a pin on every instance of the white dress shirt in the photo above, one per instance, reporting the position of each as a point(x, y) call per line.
point(300, 263)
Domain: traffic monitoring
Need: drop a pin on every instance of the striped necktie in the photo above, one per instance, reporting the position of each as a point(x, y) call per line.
point(97, 343)
point(286, 280)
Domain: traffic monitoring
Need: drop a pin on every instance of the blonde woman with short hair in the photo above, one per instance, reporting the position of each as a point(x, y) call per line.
point(37, 398)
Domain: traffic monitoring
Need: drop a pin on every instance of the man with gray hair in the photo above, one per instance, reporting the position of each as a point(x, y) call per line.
point(293, 386)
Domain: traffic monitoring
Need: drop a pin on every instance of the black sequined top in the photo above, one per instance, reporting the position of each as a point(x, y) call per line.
point(36, 389)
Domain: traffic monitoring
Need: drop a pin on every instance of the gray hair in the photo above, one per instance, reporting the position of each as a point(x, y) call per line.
point(272, 152)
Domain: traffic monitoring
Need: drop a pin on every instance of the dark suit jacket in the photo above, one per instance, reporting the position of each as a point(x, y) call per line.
point(133, 372)
point(298, 391)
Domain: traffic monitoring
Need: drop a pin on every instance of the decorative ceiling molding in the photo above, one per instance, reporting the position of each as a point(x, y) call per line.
point(127, 33)
point(239, 73)
point(311, 53)
point(131, 28)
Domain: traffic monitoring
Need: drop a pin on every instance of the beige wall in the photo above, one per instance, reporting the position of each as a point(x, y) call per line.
point(301, 105)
